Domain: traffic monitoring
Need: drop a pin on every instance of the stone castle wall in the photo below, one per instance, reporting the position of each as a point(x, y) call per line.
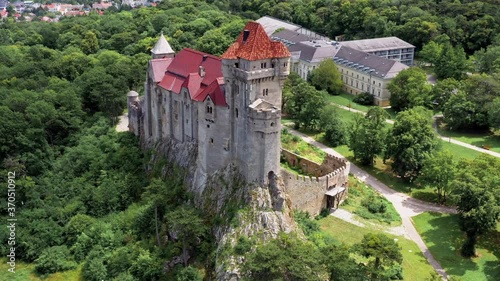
point(330, 164)
point(307, 193)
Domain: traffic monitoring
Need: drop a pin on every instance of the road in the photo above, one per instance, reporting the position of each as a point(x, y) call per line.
point(406, 206)
point(470, 146)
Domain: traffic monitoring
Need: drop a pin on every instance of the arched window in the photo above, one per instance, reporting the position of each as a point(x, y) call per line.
point(236, 111)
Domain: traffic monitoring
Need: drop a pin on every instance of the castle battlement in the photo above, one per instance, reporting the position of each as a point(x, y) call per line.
point(309, 193)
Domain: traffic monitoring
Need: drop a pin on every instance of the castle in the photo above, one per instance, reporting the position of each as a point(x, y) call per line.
point(230, 107)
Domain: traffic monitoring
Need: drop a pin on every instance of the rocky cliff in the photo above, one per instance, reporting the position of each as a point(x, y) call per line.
point(241, 208)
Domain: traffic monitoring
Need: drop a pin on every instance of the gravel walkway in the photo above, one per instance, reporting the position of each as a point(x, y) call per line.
point(122, 125)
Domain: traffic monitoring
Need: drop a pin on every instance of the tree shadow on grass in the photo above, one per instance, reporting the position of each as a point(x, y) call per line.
point(447, 239)
point(491, 242)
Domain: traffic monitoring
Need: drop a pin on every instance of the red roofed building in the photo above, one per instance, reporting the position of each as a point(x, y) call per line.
point(229, 107)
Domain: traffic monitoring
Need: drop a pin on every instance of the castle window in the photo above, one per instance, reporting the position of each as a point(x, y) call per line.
point(208, 125)
point(236, 65)
point(236, 111)
point(272, 124)
point(209, 109)
point(211, 140)
point(265, 92)
point(272, 65)
point(263, 65)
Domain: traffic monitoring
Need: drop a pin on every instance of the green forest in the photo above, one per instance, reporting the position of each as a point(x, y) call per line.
point(89, 202)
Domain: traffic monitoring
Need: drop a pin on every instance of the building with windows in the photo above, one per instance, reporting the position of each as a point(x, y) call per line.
point(391, 48)
point(363, 72)
point(307, 55)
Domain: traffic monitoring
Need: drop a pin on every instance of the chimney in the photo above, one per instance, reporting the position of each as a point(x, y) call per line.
point(246, 33)
point(205, 57)
point(201, 71)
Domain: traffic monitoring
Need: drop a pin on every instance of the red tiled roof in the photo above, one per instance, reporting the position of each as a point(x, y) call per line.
point(192, 83)
point(183, 72)
point(159, 66)
point(257, 46)
point(189, 60)
point(215, 91)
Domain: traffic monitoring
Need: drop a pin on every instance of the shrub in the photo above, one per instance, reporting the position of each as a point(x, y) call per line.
point(305, 222)
point(364, 98)
point(374, 204)
point(189, 274)
point(243, 246)
point(54, 259)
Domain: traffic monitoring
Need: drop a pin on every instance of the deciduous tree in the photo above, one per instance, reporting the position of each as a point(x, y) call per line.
point(409, 89)
point(306, 105)
point(411, 141)
point(368, 135)
point(327, 77)
point(438, 172)
point(478, 190)
point(385, 251)
point(333, 126)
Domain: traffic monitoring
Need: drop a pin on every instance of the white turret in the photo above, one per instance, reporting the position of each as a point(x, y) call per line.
point(162, 49)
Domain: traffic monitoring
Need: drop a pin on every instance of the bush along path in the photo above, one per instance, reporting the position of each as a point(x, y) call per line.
point(406, 206)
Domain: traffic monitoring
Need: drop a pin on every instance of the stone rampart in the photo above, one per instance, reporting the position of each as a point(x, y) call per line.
point(307, 193)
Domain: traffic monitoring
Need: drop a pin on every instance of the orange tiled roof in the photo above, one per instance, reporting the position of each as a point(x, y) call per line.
point(257, 45)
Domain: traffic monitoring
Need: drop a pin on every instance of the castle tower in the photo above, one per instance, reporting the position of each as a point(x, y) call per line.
point(162, 49)
point(254, 69)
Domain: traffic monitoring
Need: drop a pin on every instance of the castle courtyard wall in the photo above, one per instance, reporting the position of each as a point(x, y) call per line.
point(307, 193)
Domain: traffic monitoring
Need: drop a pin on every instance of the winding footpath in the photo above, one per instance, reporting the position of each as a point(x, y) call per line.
point(454, 141)
point(406, 206)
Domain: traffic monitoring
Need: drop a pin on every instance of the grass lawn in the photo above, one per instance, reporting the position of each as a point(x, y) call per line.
point(359, 198)
point(475, 138)
point(25, 272)
point(302, 148)
point(444, 239)
point(415, 266)
point(345, 99)
point(459, 151)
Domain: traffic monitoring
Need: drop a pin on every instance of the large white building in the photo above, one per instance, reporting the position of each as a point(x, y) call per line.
point(366, 65)
point(391, 48)
point(363, 72)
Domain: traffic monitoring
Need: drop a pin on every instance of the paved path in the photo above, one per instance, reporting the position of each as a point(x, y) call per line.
point(122, 125)
point(406, 206)
point(466, 145)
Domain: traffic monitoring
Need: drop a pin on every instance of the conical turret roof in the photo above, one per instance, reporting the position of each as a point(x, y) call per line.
point(162, 47)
